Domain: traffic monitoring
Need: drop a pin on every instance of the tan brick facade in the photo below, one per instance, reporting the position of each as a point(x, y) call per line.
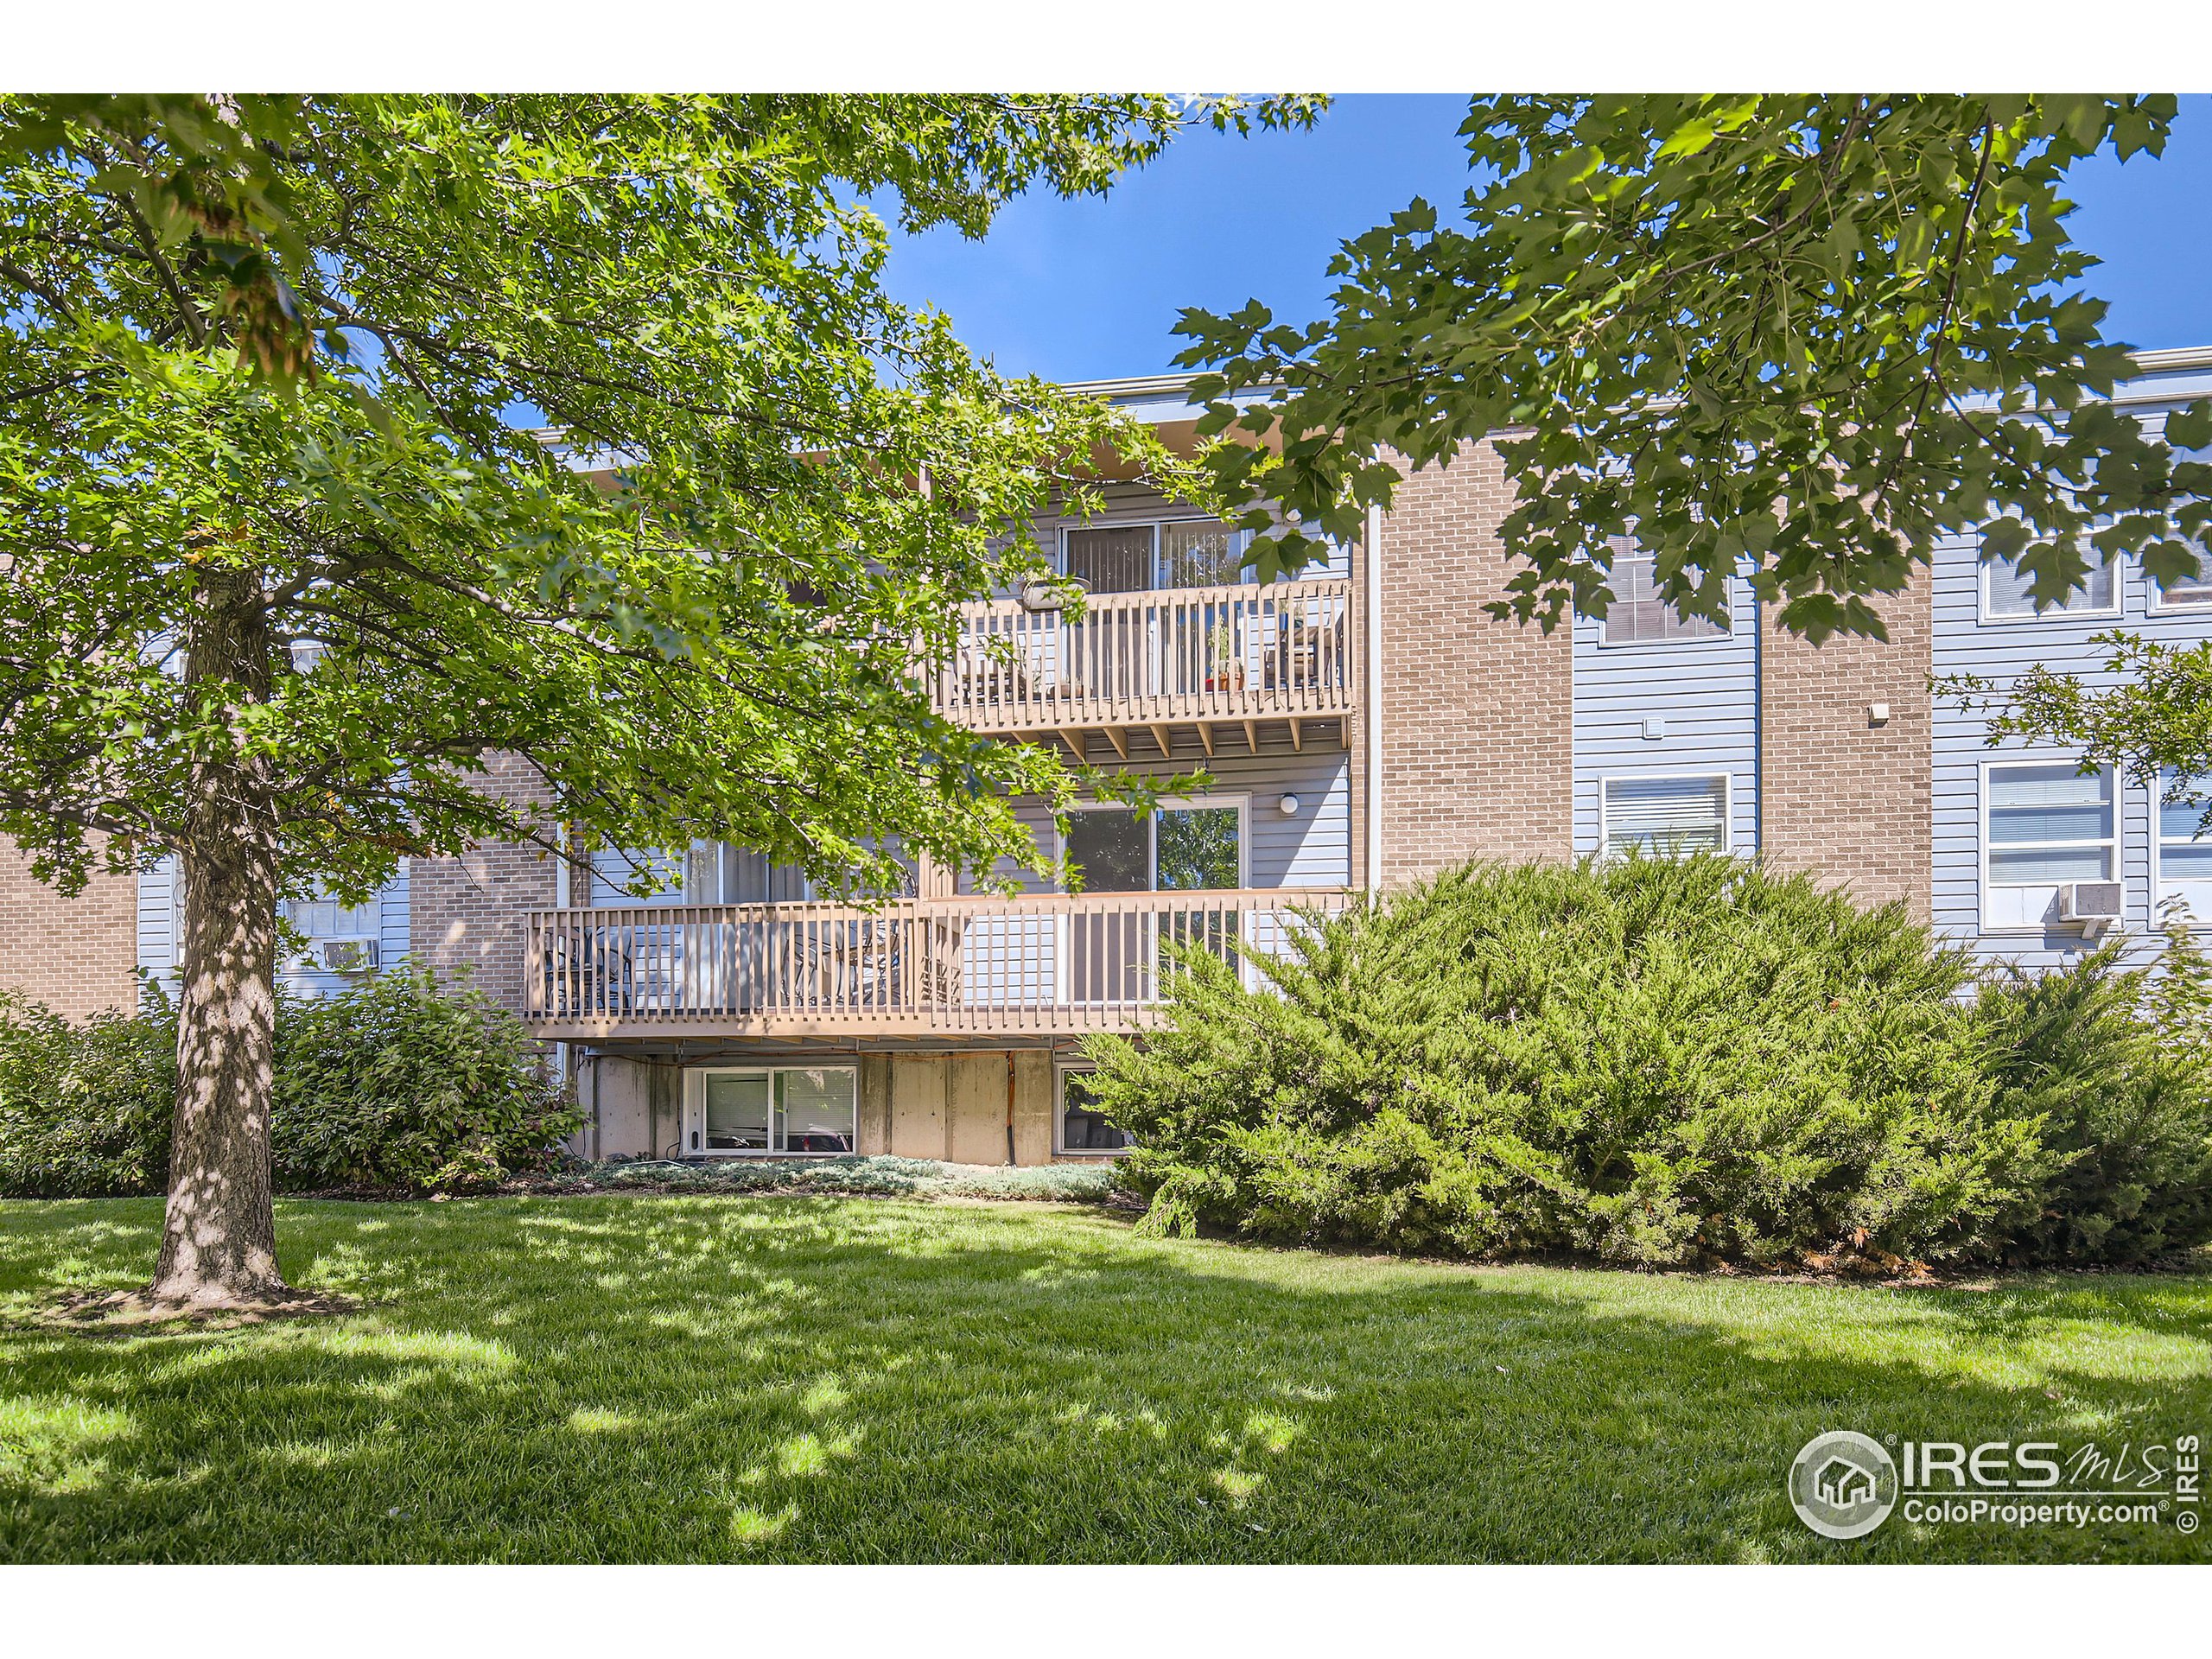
point(472, 911)
point(1838, 795)
point(74, 955)
point(1474, 718)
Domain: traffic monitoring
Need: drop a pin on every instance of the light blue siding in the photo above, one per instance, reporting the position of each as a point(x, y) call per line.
point(1966, 643)
point(615, 869)
point(157, 920)
point(1705, 691)
point(1310, 848)
point(157, 932)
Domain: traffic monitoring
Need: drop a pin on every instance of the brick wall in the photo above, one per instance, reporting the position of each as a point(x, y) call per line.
point(1476, 735)
point(470, 911)
point(1838, 796)
point(74, 955)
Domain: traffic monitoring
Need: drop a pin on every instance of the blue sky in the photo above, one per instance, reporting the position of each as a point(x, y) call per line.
point(1080, 290)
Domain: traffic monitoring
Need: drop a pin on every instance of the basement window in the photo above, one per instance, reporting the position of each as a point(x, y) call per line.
point(1078, 1126)
point(770, 1111)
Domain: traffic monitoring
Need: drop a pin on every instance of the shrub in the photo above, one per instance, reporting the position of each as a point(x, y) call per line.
point(2117, 1063)
point(394, 1082)
point(870, 1177)
point(1656, 1062)
point(397, 1083)
point(84, 1109)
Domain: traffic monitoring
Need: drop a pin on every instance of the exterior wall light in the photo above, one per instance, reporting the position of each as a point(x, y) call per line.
point(1288, 806)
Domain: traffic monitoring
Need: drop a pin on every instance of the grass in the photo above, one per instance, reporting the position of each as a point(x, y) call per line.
point(629, 1378)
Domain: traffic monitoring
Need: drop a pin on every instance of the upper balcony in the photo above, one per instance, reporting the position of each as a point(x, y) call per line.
point(1200, 658)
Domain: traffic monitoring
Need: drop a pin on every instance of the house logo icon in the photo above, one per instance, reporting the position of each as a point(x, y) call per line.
point(1843, 1485)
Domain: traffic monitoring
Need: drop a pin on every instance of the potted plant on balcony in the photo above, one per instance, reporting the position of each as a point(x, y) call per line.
point(1225, 663)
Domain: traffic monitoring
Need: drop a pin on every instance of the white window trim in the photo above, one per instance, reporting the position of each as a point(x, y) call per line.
point(1240, 542)
point(1062, 1070)
point(309, 960)
point(1173, 803)
point(1727, 801)
point(2159, 605)
point(2197, 924)
point(1605, 642)
point(695, 1109)
point(1984, 617)
point(2115, 842)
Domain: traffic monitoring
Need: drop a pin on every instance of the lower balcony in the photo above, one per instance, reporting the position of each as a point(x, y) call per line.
point(1041, 964)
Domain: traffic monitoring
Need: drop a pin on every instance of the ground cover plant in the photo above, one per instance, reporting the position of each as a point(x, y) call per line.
point(398, 1081)
point(1666, 1063)
point(630, 1378)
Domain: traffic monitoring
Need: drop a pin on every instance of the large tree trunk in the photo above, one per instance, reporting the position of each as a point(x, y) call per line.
point(218, 1243)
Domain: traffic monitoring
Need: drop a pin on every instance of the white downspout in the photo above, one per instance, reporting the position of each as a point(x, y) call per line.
point(1370, 570)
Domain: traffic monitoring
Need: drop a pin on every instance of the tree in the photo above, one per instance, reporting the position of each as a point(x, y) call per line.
point(280, 566)
point(2152, 718)
point(1809, 337)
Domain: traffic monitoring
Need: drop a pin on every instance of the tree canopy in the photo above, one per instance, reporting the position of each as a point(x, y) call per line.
point(1806, 337)
point(275, 346)
point(346, 442)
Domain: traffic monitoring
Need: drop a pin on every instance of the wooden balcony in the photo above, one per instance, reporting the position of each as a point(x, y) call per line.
point(1208, 658)
point(1043, 964)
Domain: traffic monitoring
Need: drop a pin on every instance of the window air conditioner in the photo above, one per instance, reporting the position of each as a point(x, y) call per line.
point(347, 956)
point(2094, 904)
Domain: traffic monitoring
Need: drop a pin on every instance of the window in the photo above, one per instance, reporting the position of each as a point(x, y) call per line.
point(1136, 558)
point(2184, 851)
point(718, 873)
point(1079, 1125)
point(734, 1111)
point(2050, 823)
point(2046, 823)
point(1637, 615)
point(1184, 846)
point(2190, 594)
point(1664, 815)
point(340, 938)
point(2005, 596)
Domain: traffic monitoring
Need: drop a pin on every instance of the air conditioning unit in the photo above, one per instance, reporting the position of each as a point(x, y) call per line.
point(347, 956)
point(2094, 905)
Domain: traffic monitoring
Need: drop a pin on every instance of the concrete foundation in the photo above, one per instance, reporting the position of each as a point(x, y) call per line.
point(958, 1107)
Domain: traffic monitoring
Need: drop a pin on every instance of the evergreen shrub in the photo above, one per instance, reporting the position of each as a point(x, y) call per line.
point(1653, 1062)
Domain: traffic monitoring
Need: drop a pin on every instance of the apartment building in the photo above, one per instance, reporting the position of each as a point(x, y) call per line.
point(1362, 724)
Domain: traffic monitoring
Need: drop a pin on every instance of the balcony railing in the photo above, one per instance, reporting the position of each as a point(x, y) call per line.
point(1181, 655)
point(1043, 962)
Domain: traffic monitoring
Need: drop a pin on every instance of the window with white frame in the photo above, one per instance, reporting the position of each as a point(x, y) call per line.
point(740, 1111)
point(2191, 593)
point(2006, 596)
point(1664, 815)
point(2184, 850)
point(1079, 1125)
point(337, 935)
point(2045, 824)
point(1637, 615)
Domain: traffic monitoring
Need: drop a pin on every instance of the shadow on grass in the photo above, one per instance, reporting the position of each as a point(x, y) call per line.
point(627, 1379)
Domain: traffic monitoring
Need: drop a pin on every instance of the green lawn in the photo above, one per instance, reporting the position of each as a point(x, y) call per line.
point(667, 1379)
